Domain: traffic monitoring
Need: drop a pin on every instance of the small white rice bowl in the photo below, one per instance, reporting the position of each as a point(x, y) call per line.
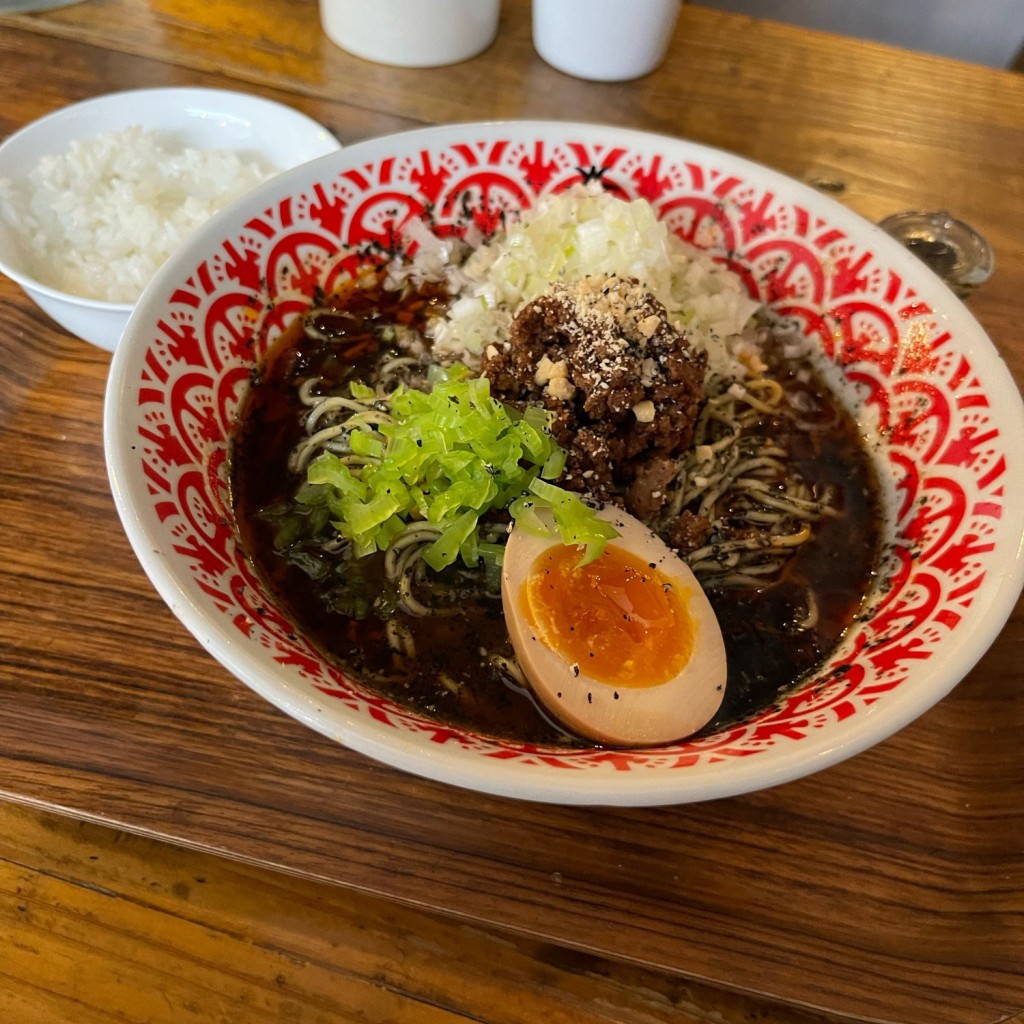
point(96, 196)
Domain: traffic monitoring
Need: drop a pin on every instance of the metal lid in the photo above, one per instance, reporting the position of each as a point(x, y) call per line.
point(953, 249)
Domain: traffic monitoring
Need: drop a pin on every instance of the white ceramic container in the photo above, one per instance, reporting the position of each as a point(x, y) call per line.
point(604, 40)
point(411, 33)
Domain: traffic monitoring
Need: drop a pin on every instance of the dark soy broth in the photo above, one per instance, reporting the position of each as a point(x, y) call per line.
point(453, 678)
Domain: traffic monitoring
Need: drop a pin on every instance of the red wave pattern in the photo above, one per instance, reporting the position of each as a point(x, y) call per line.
point(942, 450)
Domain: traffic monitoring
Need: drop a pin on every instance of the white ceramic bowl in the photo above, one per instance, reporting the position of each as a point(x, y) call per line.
point(924, 371)
point(200, 118)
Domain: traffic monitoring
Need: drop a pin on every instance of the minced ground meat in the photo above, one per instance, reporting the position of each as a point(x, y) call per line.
point(623, 385)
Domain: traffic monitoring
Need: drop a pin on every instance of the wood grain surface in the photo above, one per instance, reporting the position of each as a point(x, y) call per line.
point(890, 887)
point(98, 925)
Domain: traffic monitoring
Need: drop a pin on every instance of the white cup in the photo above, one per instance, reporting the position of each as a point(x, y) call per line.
point(604, 40)
point(411, 33)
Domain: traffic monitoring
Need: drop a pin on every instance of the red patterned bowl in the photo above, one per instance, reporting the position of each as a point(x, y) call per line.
point(922, 370)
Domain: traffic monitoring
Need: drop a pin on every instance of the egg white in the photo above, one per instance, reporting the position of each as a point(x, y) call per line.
point(616, 715)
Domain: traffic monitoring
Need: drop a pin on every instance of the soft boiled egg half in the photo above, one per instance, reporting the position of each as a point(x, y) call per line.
point(625, 650)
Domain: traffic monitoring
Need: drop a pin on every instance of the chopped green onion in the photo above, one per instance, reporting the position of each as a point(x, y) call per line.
point(450, 456)
point(576, 521)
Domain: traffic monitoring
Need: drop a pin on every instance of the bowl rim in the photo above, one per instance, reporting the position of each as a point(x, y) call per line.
point(181, 95)
point(490, 775)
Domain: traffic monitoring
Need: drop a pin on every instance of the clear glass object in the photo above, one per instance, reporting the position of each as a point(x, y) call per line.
point(954, 250)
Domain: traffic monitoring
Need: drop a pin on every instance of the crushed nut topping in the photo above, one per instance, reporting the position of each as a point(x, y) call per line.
point(623, 385)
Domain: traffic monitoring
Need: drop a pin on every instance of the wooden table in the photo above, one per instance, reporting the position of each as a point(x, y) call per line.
point(888, 888)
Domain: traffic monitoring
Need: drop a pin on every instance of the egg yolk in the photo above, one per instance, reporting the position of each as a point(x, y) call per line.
point(618, 619)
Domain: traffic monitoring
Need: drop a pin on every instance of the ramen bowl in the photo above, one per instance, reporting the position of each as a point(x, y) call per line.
point(924, 380)
point(201, 119)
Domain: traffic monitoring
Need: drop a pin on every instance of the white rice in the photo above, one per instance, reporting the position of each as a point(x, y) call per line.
point(99, 219)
